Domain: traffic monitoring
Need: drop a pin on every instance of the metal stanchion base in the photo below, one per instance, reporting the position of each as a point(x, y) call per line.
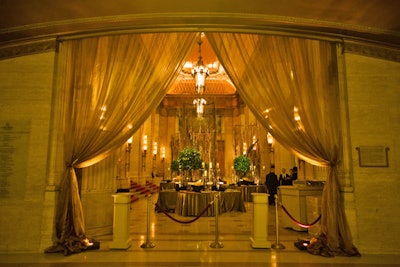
point(277, 246)
point(217, 245)
point(148, 245)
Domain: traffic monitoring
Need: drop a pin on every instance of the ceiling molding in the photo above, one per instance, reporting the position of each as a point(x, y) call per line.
point(365, 49)
point(28, 48)
point(197, 21)
point(29, 32)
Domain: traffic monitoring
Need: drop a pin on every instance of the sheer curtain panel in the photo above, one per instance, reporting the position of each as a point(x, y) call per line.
point(111, 85)
point(291, 86)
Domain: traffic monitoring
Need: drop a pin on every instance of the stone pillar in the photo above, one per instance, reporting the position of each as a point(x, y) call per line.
point(121, 238)
point(260, 221)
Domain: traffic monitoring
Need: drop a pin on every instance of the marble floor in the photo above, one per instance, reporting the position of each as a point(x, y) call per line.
point(178, 244)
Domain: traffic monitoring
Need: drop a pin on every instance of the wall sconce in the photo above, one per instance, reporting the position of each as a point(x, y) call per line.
point(145, 143)
point(128, 157)
point(144, 152)
point(270, 141)
point(163, 161)
point(244, 148)
point(254, 143)
point(129, 145)
point(296, 114)
point(297, 118)
point(163, 153)
point(154, 150)
point(154, 171)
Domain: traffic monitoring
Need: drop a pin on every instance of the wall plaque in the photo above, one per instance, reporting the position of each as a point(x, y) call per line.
point(14, 145)
point(373, 156)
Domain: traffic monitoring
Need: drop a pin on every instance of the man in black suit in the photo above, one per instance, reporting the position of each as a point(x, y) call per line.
point(272, 183)
point(284, 178)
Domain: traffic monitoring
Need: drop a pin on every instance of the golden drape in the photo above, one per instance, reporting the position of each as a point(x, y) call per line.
point(111, 85)
point(291, 86)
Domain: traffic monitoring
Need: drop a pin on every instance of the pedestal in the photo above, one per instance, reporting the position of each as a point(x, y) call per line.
point(294, 200)
point(260, 219)
point(121, 239)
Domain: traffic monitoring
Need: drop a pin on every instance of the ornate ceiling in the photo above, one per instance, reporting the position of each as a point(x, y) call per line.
point(217, 83)
point(28, 27)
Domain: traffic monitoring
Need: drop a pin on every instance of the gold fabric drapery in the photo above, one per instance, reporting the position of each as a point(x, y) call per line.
point(111, 85)
point(274, 75)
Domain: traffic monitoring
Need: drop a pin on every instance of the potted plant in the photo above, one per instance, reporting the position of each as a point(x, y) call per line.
point(189, 159)
point(241, 164)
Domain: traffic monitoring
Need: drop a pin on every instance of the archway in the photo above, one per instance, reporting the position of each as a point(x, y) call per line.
point(251, 76)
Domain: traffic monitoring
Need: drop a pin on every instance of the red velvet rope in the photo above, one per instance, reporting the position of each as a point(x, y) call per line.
point(299, 223)
point(178, 221)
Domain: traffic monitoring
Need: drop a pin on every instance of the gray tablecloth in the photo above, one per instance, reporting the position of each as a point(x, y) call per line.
point(193, 203)
point(188, 203)
point(246, 190)
point(167, 185)
point(167, 200)
point(232, 201)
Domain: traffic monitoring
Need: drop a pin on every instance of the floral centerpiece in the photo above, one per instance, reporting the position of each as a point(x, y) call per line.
point(189, 159)
point(241, 164)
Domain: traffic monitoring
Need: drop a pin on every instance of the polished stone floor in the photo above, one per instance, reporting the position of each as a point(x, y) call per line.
point(178, 244)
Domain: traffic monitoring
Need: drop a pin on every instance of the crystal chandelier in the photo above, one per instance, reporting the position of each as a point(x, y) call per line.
point(200, 72)
point(199, 102)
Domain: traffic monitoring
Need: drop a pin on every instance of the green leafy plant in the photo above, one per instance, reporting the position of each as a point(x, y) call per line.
point(175, 165)
point(241, 164)
point(189, 159)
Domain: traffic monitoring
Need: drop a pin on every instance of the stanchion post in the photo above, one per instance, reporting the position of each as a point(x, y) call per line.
point(148, 243)
point(216, 243)
point(277, 245)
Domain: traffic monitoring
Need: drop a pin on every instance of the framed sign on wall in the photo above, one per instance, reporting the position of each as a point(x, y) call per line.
point(373, 156)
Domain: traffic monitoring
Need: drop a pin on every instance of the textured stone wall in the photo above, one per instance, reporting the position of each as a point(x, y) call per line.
point(25, 103)
point(374, 120)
